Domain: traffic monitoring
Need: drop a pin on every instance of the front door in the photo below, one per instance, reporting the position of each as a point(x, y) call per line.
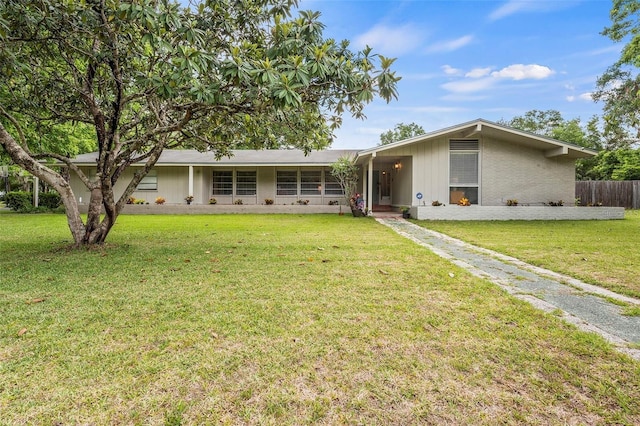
point(381, 187)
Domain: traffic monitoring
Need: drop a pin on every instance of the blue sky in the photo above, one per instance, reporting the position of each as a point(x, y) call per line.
point(462, 60)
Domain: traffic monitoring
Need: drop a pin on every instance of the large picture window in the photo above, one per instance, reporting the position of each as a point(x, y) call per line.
point(464, 169)
point(149, 182)
point(331, 185)
point(222, 182)
point(245, 183)
point(287, 182)
point(310, 182)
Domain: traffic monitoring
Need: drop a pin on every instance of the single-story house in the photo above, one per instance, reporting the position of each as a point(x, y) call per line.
point(487, 163)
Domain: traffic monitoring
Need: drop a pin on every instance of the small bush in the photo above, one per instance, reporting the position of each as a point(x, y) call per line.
point(131, 200)
point(268, 201)
point(50, 200)
point(436, 203)
point(212, 200)
point(139, 201)
point(238, 201)
point(160, 200)
point(303, 202)
point(513, 202)
point(19, 201)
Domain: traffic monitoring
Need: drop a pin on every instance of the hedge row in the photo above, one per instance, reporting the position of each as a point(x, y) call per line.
point(21, 201)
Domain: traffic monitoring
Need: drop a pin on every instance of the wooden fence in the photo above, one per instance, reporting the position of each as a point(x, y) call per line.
point(609, 193)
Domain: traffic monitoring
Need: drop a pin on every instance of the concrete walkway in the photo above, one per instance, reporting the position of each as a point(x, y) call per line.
point(582, 304)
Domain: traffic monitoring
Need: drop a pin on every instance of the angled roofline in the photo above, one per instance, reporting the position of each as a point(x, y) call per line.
point(476, 127)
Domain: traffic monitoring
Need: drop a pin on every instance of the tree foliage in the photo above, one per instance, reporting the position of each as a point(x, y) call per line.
point(346, 173)
point(401, 132)
point(149, 74)
point(619, 86)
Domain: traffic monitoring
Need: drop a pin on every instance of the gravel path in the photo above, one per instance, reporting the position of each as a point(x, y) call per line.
point(582, 304)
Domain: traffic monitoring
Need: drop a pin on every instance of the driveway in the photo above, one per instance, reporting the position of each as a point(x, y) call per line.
point(584, 305)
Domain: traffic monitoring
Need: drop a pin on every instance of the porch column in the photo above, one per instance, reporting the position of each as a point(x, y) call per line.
point(190, 180)
point(370, 183)
point(36, 191)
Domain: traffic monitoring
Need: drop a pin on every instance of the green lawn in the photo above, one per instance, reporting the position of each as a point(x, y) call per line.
point(246, 319)
point(606, 253)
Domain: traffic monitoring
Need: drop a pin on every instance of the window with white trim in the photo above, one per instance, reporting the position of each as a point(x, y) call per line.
point(287, 182)
point(222, 182)
point(464, 170)
point(331, 184)
point(245, 182)
point(149, 182)
point(310, 182)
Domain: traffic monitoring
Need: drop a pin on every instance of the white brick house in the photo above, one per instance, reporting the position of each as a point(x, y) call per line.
point(483, 161)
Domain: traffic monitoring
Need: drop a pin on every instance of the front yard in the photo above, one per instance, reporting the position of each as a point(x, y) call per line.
point(605, 253)
point(283, 319)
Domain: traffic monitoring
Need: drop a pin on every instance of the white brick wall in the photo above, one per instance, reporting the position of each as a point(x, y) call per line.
point(516, 172)
point(515, 213)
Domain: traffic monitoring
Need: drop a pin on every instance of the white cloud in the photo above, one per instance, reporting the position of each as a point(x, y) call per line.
point(449, 70)
point(391, 40)
point(586, 96)
point(512, 7)
point(481, 79)
point(469, 86)
point(522, 72)
point(509, 8)
point(478, 72)
point(450, 45)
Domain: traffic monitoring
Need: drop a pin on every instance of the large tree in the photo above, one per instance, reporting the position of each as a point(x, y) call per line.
point(149, 75)
point(619, 86)
point(401, 132)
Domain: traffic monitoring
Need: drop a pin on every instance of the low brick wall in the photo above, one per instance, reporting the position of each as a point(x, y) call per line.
point(515, 213)
point(224, 209)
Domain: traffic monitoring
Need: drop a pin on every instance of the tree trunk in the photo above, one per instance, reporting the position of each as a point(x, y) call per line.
point(22, 158)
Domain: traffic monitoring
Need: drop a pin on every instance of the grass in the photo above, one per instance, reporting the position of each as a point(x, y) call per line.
point(281, 319)
point(604, 253)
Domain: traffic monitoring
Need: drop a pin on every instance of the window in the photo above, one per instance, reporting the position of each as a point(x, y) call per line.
point(149, 182)
point(464, 170)
point(331, 184)
point(222, 182)
point(245, 183)
point(310, 182)
point(287, 182)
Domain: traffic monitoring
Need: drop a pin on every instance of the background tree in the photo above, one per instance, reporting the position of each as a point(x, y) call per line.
point(148, 75)
point(401, 132)
point(619, 86)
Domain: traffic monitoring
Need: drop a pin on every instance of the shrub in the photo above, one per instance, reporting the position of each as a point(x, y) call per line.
point(139, 201)
point(268, 201)
point(19, 201)
point(512, 202)
point(212, 200)
point(50, 200)
point(238, 201)
point(131, 200)
point(303, 202)
point(436, 203)
point(464, 202)
point(160, 200)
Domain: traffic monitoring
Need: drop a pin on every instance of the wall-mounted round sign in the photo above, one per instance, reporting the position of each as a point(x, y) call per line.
point(419, 195)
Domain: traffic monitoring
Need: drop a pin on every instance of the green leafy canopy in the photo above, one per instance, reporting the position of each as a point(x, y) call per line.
point(151, 74)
